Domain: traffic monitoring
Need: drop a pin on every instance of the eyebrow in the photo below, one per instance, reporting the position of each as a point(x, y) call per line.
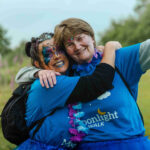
point(79, 36)
point(50, 46)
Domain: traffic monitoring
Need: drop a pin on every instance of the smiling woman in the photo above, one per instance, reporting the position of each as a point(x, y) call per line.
point(51, 58)
point(80, 47)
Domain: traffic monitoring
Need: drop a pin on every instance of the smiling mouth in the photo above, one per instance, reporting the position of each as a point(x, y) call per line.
point(59, 64)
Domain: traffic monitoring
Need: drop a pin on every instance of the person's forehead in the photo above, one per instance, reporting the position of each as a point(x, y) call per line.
point(78, 35)
point(75, 36)
point(48, 43)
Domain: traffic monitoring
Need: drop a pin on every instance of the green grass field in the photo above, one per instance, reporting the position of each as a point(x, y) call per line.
point(143, 100)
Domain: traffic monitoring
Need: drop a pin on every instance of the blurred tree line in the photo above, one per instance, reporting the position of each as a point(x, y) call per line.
point(133, 29)
point(130, 30)
point(11, 60)
point(4, 42)
point(9, 56)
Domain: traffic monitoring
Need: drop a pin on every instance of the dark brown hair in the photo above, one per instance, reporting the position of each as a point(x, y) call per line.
point(31, 48)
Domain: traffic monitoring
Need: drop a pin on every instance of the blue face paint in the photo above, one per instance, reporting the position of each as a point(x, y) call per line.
point(47, 54)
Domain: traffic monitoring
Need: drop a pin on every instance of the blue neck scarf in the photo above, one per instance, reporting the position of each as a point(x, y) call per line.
point(87, 68)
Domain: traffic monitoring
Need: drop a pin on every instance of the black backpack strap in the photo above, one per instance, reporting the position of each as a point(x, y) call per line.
point(126, 84)
point(22, 89)
point(39, 124)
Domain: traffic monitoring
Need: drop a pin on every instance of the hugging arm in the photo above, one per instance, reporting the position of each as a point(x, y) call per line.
point(29, 74)
point(72, 89)
point(90, 87)
point(26, 74)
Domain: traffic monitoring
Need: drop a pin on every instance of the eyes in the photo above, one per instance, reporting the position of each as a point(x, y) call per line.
point(80, 38)
point(47, 51)
point(50, 51)
point(70, 43)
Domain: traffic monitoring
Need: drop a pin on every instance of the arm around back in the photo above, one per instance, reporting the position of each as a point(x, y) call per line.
point(26, 74)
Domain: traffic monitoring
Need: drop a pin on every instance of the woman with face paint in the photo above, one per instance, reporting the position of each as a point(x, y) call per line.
point(63, 129)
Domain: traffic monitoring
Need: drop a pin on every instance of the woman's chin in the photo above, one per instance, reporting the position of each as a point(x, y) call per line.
point(62, 70)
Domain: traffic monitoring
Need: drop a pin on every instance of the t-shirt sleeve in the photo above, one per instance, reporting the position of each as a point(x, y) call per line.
point(145, 55)
point(127, 61)
point(48, 99)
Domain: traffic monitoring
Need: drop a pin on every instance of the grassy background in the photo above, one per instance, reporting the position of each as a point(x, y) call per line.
point(7, 85)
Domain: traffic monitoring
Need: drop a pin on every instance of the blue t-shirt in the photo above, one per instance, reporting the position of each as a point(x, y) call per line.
point(113, 115)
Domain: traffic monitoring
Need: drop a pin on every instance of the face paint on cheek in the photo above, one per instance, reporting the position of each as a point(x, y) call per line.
point(46, 60)
point(47, 54)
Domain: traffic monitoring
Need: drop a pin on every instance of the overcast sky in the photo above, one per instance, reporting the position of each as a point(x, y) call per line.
point(26, 18)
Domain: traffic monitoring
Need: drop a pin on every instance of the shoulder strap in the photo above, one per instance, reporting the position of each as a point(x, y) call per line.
point(126, 84)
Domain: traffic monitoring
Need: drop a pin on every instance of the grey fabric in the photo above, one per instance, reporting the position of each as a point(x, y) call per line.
point(26, 74)
point(145, 55)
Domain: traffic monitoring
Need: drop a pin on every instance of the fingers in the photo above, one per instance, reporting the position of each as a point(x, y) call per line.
point(114, 44)
point(52, 79)
point(41, 81)
point(100, 48)
point(118, 44)
point(47, 77)
point(58, 73)
point(44, 80)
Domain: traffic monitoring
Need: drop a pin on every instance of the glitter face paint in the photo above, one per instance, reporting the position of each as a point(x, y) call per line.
point(46, 54)
point(52, 58)
point(71, 39)
point(49, 52)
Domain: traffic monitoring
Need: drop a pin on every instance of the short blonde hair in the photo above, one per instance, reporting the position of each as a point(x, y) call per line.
point(69, 28)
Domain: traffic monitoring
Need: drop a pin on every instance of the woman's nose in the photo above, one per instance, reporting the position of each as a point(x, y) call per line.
point(77, 45)
point(56, 54)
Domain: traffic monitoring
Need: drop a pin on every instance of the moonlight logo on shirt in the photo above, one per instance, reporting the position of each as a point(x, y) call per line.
point(101, 117)
point(100, 112)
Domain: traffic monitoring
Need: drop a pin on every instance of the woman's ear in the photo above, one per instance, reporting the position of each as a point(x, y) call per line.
point(94, 42)
point(36, 63)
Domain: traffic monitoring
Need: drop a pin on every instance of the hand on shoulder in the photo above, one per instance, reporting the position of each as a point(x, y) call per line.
point(47, 77)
